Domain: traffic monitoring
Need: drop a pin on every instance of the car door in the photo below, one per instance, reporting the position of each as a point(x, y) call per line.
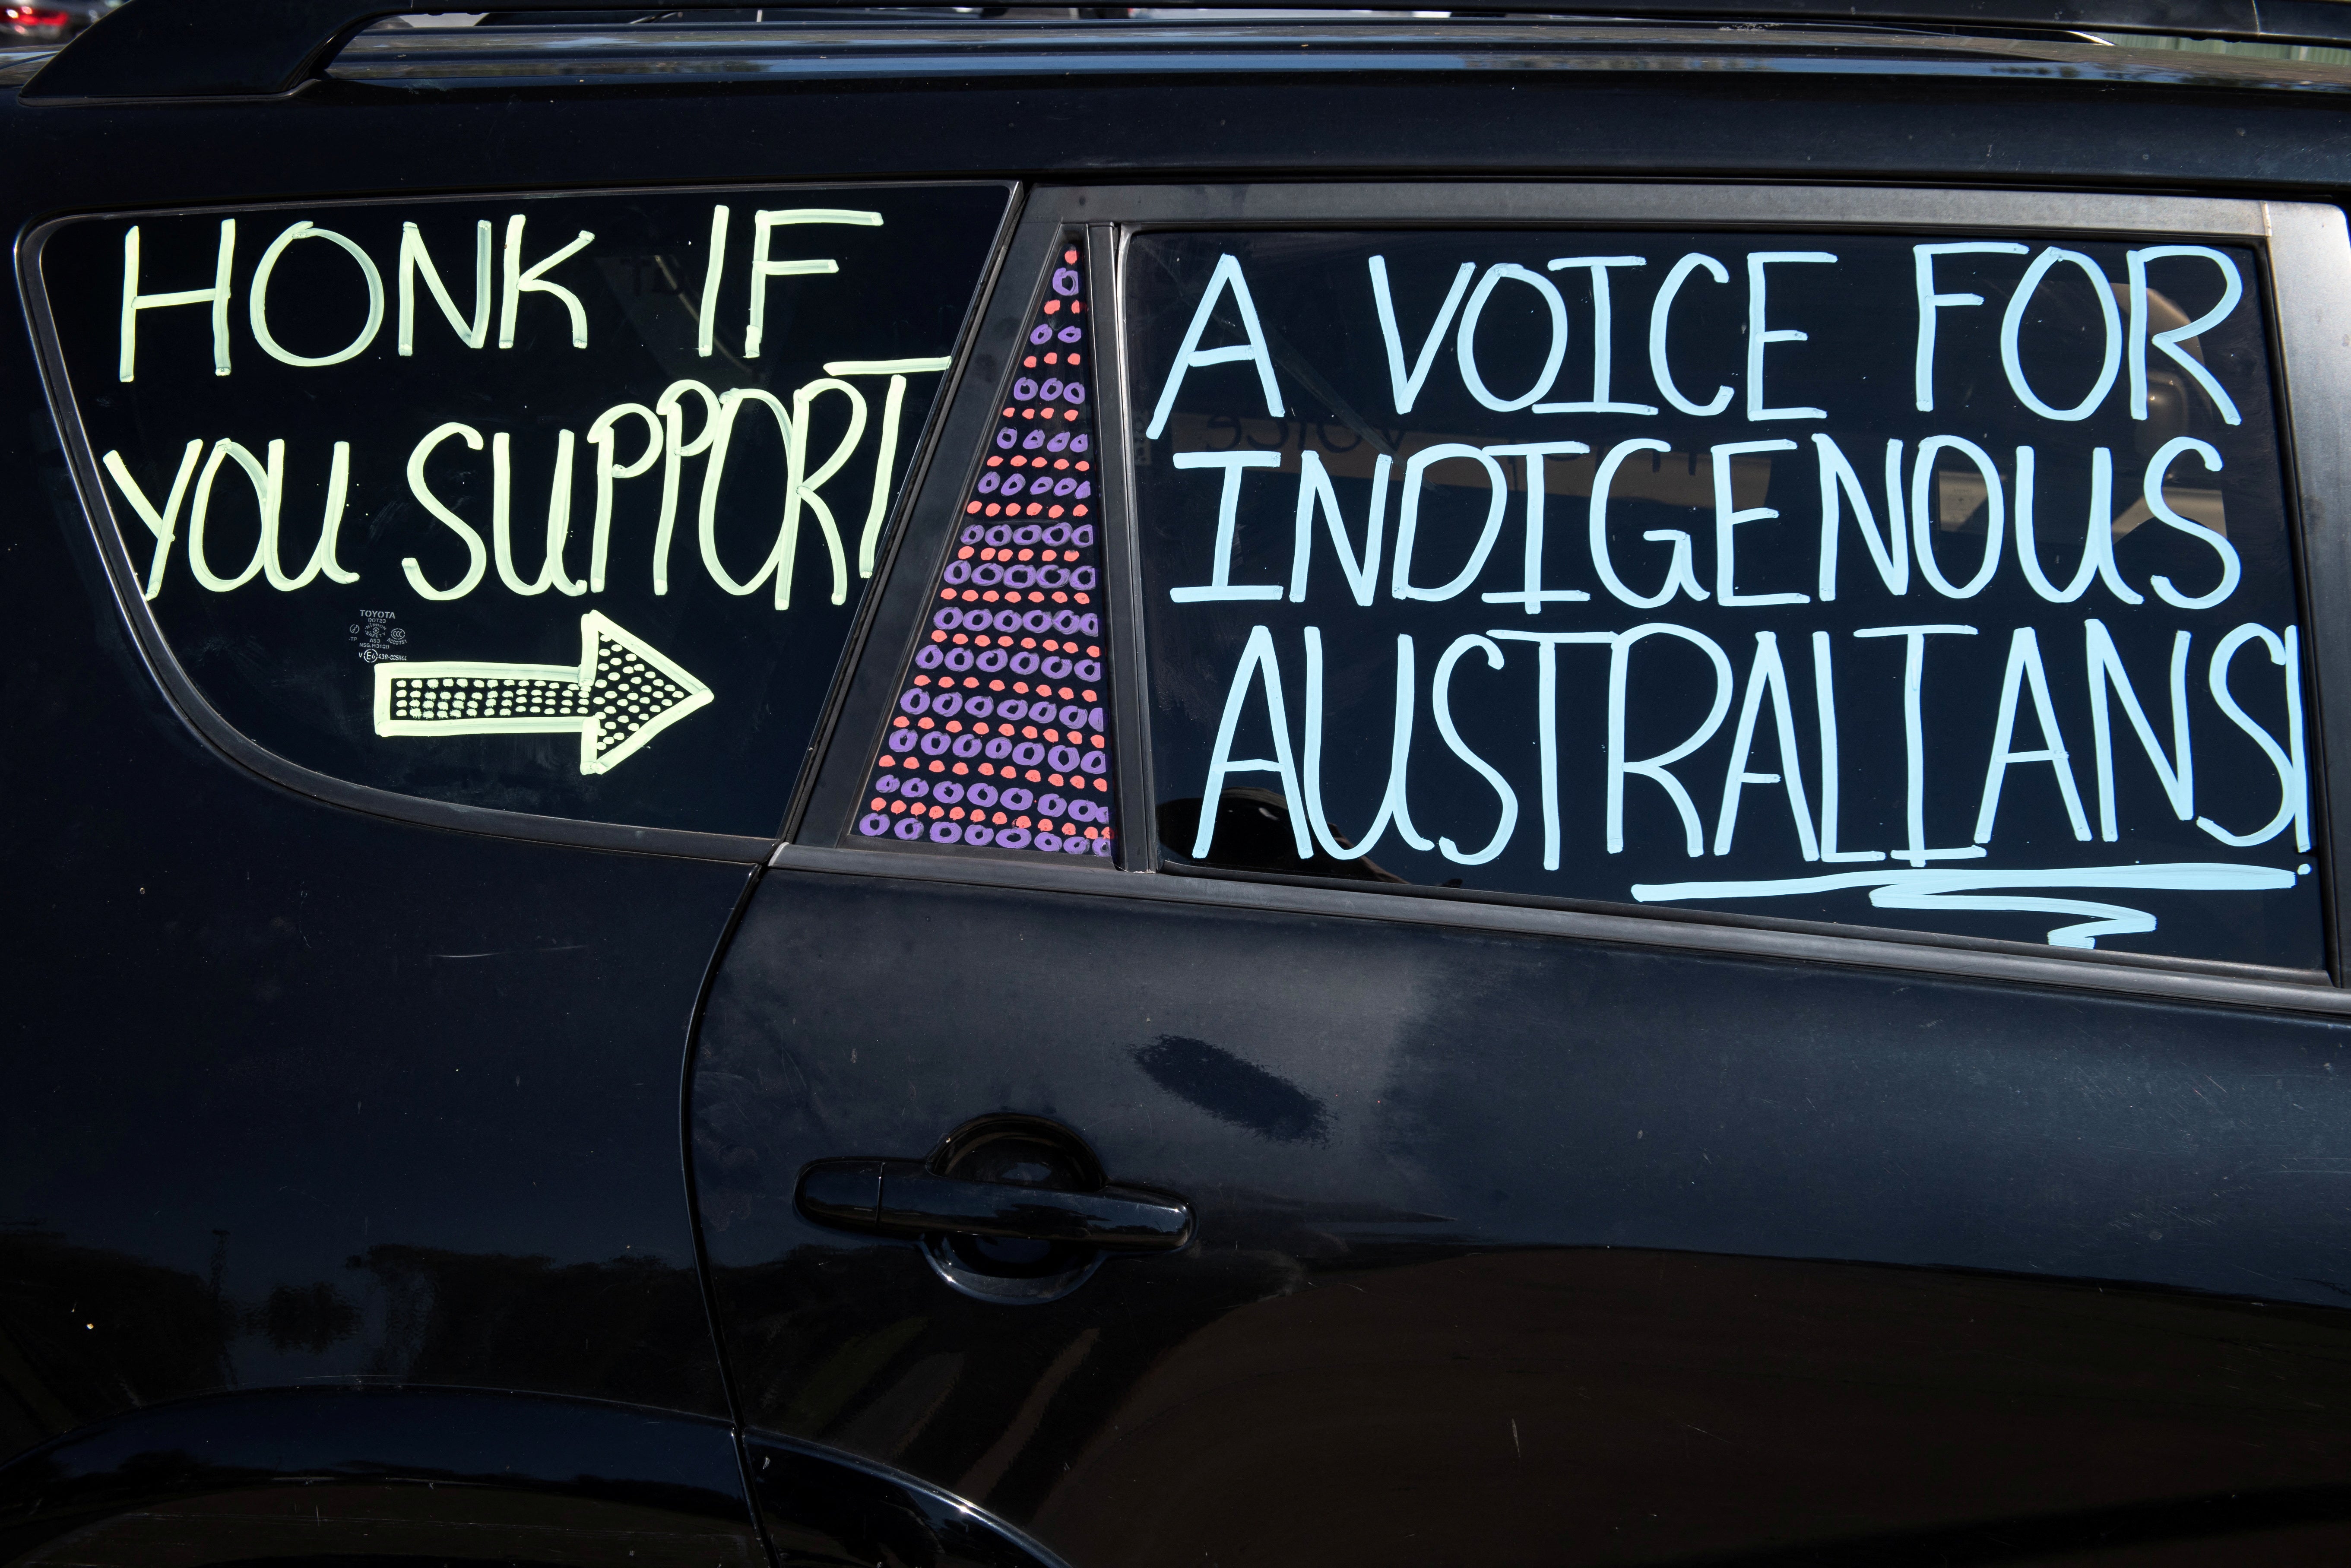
point(1427, 1155)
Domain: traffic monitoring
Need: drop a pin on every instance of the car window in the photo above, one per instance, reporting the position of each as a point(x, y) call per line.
point(999, 739)
point(1941, 582)
point(560, 505)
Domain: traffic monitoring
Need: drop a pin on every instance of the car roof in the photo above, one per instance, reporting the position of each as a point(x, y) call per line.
point(150, 49)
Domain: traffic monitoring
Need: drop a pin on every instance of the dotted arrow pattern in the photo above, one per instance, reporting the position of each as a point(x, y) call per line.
point(629, 694)
point(486, 696)
point(621, 695)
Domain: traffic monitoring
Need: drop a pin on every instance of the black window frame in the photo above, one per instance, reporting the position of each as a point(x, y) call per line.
point(2305, 252)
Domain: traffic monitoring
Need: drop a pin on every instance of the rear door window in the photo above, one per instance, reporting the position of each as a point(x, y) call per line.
point(1936, 582)
point(557, 505)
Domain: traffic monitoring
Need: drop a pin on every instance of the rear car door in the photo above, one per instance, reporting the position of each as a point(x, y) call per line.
point(1754, 979)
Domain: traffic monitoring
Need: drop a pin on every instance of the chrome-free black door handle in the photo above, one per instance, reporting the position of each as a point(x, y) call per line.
point(904, 1198)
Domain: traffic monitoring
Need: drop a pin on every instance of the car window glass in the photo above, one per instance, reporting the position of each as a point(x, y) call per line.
point(1941, 582)
point(998, 740)
point(558, 505)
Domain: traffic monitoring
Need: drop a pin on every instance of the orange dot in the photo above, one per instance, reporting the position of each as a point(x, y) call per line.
point(1052, 306)
point(973, 507)
point(1070, 256)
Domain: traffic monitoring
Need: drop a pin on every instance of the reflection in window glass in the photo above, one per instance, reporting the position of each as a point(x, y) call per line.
point(1936, 582)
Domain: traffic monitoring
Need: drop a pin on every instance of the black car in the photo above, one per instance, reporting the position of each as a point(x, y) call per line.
point(1233, 789)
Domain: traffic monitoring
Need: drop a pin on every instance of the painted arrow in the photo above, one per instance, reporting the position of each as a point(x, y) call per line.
point(617, 697)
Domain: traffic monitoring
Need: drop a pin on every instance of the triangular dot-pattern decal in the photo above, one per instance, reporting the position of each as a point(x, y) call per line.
point(1001, 739)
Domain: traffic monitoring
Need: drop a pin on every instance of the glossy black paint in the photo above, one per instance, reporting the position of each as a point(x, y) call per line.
point(178, 50)
point(821, 1509)
point(1620, 1254)
point(354, 1475)
point(206, 971)
point(335, 1127)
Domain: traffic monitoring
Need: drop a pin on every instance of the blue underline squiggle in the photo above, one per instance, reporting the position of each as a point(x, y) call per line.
point(2002, 892)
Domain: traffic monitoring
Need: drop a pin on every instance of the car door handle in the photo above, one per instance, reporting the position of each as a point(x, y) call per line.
point(904, 1198)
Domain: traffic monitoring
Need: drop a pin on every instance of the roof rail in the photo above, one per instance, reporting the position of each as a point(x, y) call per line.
point(165, 49)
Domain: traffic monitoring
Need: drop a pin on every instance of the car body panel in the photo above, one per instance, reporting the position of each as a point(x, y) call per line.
point(1542, 1233)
